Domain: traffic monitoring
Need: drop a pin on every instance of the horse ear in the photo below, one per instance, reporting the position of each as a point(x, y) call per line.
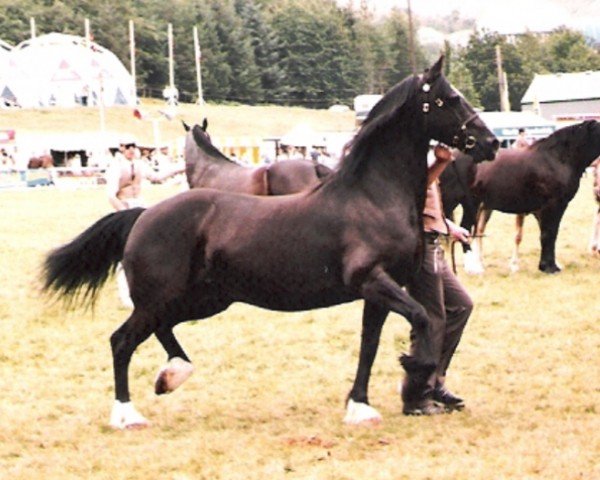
point(204, 124)
point(434, 71)
point(185, 126)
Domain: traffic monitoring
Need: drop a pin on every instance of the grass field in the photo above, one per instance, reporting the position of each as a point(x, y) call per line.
point(266, 400)
point(230, 121)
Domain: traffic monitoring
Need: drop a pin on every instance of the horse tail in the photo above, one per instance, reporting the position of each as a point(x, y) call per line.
point(79, 269)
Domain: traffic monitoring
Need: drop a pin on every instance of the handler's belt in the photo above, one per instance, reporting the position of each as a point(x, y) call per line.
point(432, 237)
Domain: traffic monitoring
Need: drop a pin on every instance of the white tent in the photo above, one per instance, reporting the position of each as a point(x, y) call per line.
point(66, 70)
point(6, 95)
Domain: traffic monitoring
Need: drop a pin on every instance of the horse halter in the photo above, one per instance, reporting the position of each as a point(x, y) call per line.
point(469, 141)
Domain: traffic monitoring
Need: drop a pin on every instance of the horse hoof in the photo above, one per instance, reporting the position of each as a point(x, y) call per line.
point(550, 269)
point(124, 416)
point(172, 375)
point(361, 414)
point(472, 264)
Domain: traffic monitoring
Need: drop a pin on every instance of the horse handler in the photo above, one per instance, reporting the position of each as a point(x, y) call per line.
point(435, 286)
point(124, 187)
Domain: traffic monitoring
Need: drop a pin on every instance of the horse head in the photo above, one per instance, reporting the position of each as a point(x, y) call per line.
point(449, 118)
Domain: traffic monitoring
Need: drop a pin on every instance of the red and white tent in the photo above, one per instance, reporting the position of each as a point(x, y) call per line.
point(66, 70)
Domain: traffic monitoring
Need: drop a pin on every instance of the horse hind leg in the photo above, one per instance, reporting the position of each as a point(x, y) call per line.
point(595, 240)
point(514, 261)
point(136, 329)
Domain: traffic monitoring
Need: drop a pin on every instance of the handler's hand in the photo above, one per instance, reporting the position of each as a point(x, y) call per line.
point(443, 154)
point(458, 233)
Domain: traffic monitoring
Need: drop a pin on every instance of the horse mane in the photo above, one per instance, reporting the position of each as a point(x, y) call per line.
point(386, 111)
point(558, 138)
point(203, 142)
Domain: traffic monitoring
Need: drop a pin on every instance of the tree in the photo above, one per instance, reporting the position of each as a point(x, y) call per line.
point(461, 79)
point(569, 52)
point(315, 52)
point(238, 53)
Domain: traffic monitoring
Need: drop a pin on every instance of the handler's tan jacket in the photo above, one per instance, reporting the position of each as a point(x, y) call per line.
point(433, 213)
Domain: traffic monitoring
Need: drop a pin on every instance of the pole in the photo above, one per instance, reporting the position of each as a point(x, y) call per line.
point(132, 59)
point(32, 27)
point(86, 27)
point(198, 55)
point(502, 82)
point(171, 68)
point(411, 40)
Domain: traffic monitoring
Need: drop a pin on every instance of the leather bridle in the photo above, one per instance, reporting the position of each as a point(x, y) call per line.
point(468, 141)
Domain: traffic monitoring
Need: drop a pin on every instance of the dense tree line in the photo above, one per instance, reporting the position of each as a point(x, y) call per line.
point(293, 52)
point(474, 68)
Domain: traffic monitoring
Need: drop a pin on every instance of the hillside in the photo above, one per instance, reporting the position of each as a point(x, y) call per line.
point(224, 120)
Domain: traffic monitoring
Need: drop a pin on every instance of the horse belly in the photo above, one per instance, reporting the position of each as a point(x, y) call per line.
point(278, 285)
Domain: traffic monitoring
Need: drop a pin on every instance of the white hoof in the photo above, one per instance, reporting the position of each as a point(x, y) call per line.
point(361, 414)
point(125, 416)
point(472, 264)
point(514, 266)
point(172, 375)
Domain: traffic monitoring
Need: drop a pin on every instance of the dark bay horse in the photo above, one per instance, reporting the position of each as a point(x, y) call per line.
point(541, 179)
point(356, 235)
point(207, 167)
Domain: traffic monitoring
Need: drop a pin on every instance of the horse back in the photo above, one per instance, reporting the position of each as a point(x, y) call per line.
point(292, 176)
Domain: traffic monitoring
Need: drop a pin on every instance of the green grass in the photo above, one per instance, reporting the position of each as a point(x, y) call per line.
point(224, 120)
point(267, 397)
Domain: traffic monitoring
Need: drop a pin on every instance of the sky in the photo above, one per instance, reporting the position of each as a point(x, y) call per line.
point(506, 16)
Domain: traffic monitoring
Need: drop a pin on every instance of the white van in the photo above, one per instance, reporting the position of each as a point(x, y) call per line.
point(363, 105)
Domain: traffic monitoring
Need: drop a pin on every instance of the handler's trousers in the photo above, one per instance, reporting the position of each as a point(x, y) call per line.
point(446, 301)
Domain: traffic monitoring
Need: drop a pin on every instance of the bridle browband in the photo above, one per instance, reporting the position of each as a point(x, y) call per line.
point(468, 140)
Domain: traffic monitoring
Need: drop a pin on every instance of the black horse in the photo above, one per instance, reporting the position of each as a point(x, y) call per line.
point(541, 179)
point(207, 167)
point(356, 235)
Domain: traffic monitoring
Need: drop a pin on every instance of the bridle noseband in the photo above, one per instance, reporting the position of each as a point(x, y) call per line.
point(468, 141)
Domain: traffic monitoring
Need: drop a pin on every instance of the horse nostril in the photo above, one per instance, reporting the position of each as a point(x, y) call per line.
point(495, 144)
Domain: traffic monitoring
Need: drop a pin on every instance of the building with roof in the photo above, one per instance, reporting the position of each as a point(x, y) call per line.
point(564, 97)
point(64, 70)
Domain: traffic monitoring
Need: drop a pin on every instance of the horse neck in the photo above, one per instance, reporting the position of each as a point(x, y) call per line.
point(396, 167)
point(580, 158)
point(202, 160)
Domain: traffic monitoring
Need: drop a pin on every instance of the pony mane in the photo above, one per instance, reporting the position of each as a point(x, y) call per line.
point(558, 138)
point(203, 142)
point(381, 115)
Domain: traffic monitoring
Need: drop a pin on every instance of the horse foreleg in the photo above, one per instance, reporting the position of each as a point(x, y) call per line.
point(358, 410)
point(474, 260)
point(123, 342)
point(549, 221)
point(381, 289)
point(514, 261)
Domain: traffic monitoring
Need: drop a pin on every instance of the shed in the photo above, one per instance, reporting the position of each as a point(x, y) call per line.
point(564, 97)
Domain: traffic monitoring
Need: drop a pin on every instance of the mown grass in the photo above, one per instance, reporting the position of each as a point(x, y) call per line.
point(266, 400)
point(267, 397)
point(224, 120)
